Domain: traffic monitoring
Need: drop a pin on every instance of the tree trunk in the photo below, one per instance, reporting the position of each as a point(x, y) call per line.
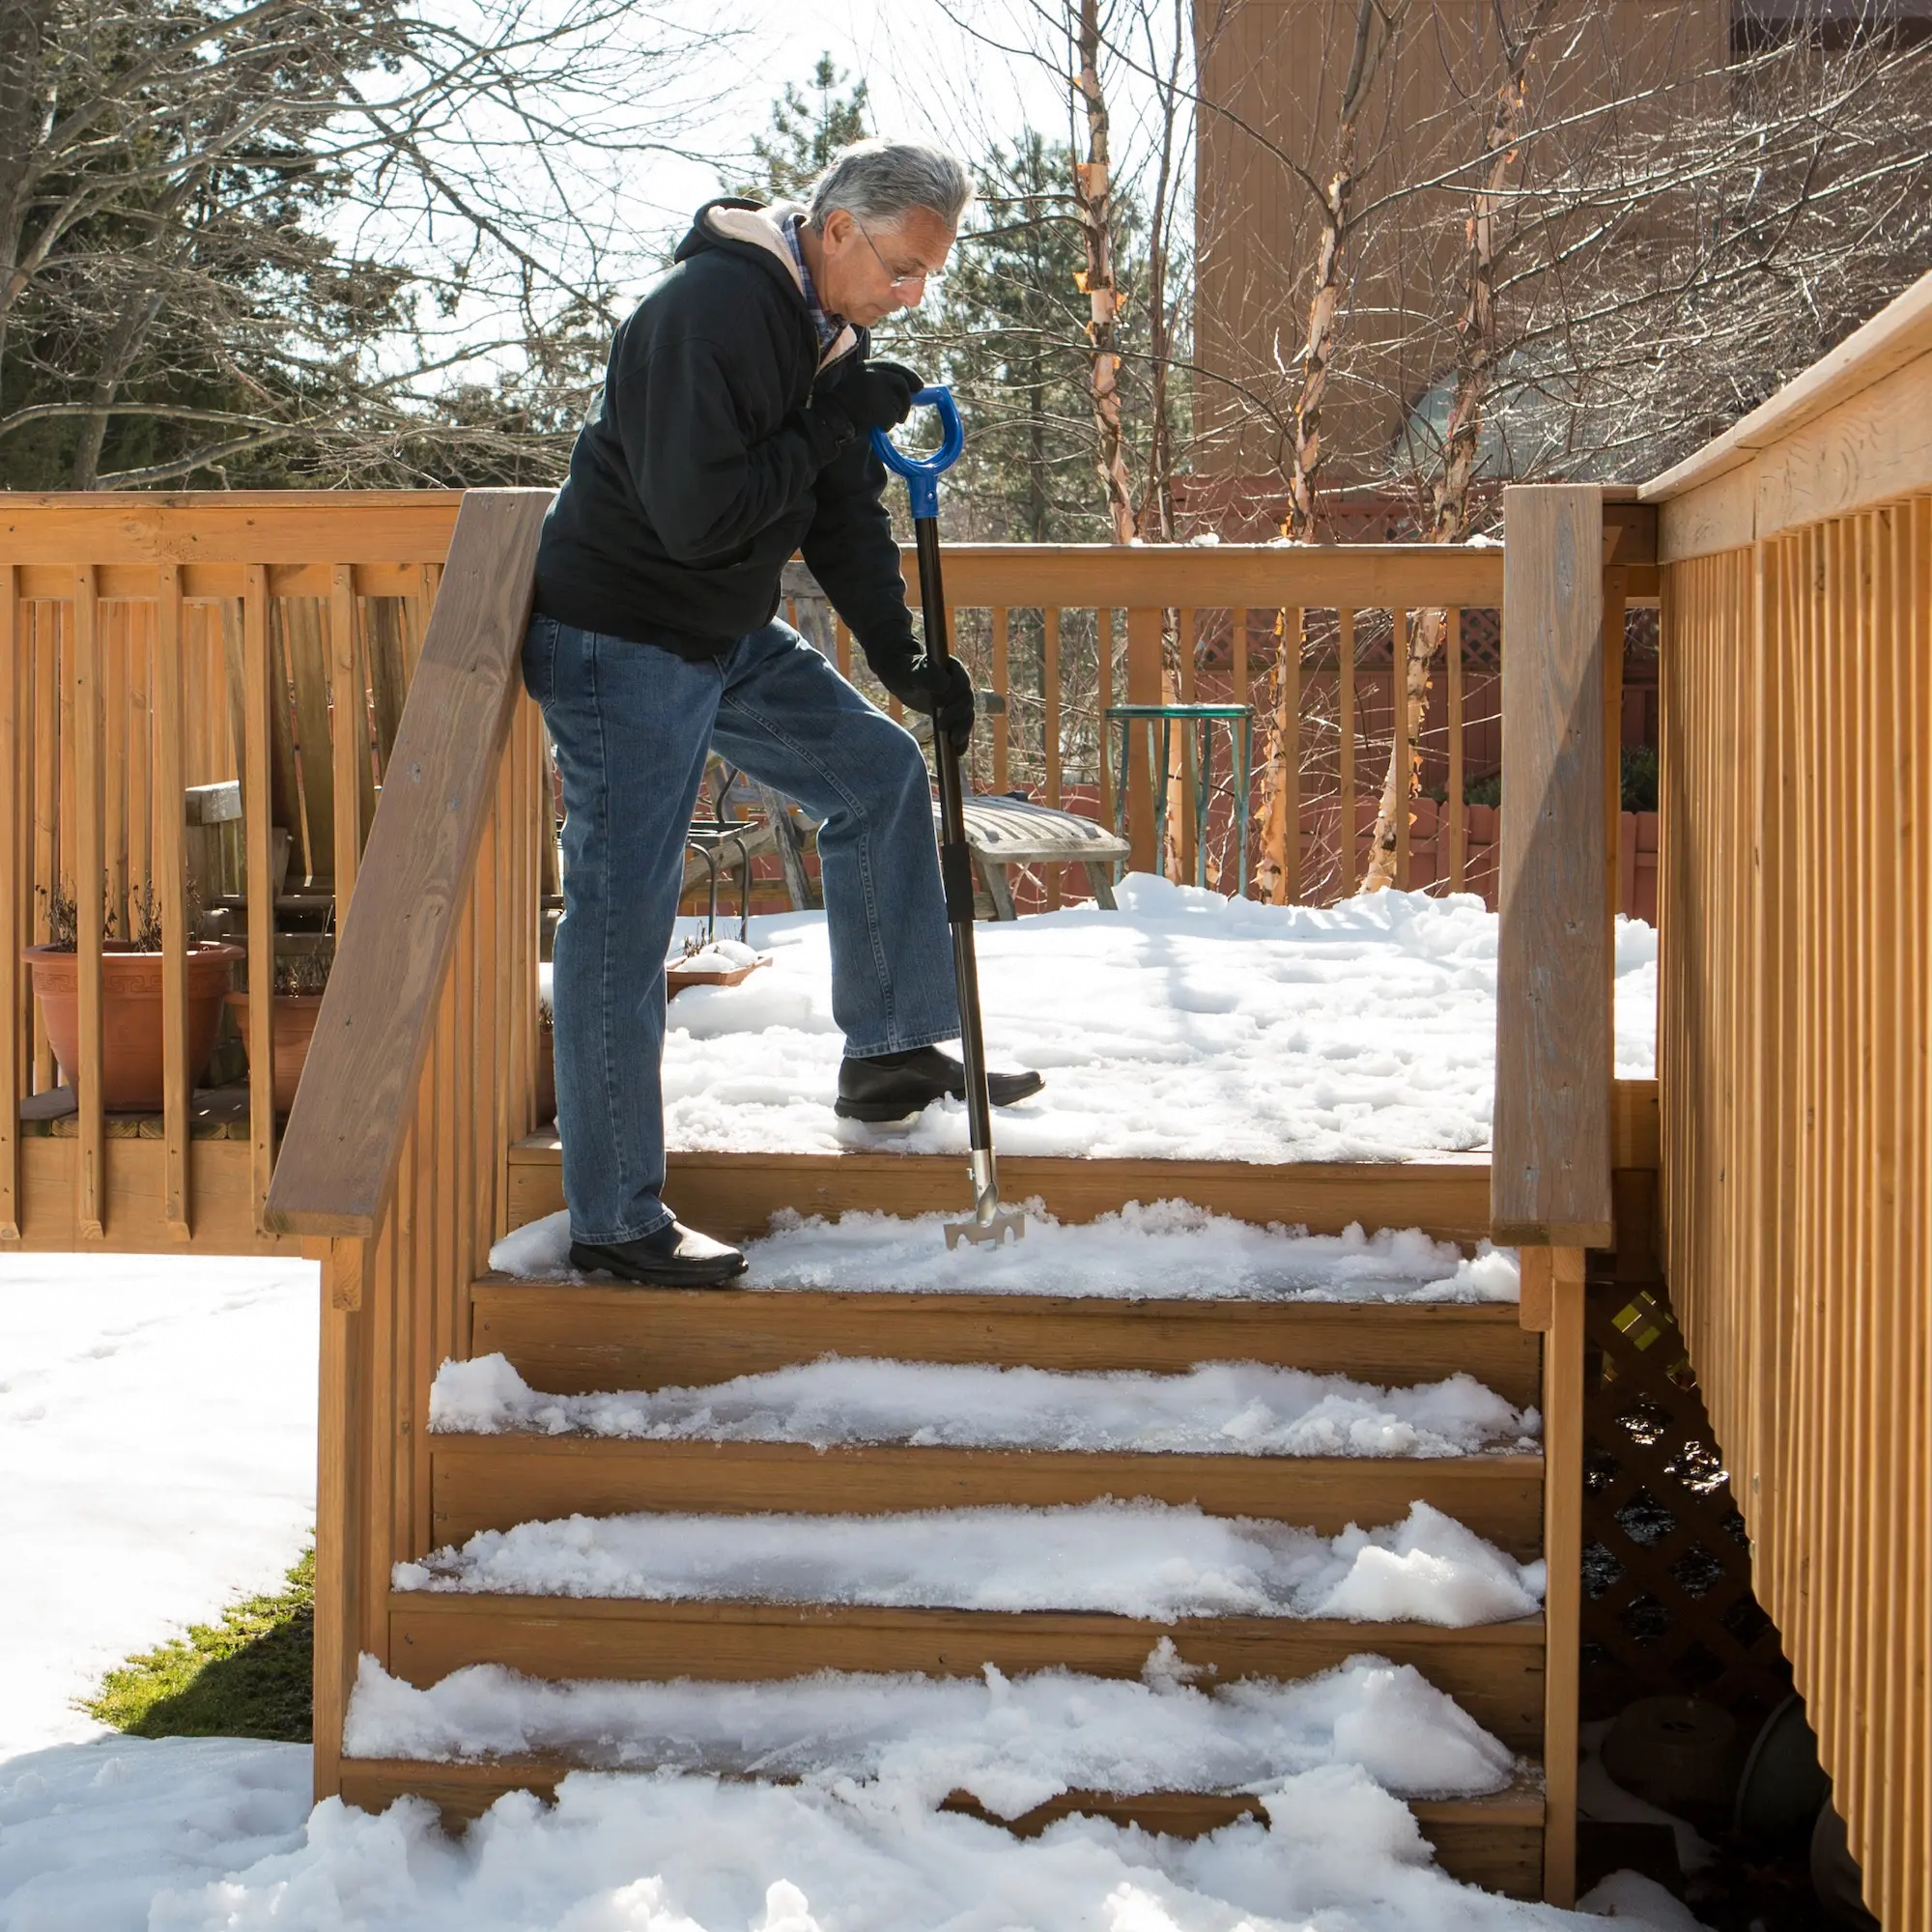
point(1094, 195)
point(1475, 368)
point(1376, 25)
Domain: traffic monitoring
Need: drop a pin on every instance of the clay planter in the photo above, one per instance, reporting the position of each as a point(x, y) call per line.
point(291, 1019)
point(130, 1016)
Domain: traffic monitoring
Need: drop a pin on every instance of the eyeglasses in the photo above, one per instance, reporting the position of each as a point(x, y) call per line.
point(918, 279)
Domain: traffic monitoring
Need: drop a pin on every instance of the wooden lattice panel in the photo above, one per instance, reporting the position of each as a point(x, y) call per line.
point(1668, 1604)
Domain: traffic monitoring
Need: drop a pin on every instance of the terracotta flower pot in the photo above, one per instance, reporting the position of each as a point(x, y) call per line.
point(130, 1016)
point(292, 1021)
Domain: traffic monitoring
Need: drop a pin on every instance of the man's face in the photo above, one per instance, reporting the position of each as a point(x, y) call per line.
point(871, 268)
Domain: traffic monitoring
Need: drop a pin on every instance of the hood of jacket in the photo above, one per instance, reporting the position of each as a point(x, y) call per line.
point(747, 228)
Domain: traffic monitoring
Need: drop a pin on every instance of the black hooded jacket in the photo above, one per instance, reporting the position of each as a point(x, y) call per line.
point(717, 449)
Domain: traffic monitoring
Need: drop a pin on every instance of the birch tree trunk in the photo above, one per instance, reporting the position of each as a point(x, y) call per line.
point(1377, 22)
point(1475, 369)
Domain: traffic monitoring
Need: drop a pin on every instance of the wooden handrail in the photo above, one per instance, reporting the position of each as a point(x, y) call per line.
point(346, 1134)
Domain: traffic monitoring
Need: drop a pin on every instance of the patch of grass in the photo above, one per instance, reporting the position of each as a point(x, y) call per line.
point(247, 1676)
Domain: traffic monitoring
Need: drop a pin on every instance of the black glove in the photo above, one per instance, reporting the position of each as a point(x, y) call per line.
point(878, 395)
point(944, 691)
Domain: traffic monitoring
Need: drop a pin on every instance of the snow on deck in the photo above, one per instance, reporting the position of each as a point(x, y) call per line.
point(1013, 1743)
point(1162, 1250)
point(1155, 1561)
point(1186, 1026)
point(1227, 1408)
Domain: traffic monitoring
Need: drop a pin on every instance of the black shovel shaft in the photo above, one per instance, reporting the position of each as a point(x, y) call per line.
point(955, 861)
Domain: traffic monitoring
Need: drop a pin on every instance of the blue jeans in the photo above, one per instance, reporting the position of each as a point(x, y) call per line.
point(632, 725)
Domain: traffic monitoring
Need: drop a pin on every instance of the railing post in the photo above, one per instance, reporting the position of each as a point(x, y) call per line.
point(1550, 1164)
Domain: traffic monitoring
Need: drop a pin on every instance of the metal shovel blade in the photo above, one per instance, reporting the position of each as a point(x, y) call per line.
point(991, 1223)
point(988, 1232)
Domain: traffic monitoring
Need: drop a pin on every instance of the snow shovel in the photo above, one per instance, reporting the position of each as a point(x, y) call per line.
point(991, 1223)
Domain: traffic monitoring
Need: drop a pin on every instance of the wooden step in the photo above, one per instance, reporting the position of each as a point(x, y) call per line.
point(495, 1482)
point(1495, 1842)
point(571, 1340)
point(734, 1196)
point(1494, 1670)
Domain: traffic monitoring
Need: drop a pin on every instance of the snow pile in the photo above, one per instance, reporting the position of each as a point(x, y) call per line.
point(1010, 1743)
point(216, 1834)
point(157, 1458)
point(1217, 1407)
point(1185, 1026)
point(1141, 1559)
point(1171, 1249)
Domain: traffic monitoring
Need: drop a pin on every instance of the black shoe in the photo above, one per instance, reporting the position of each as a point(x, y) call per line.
point(674, 1257)
point(893, 1085)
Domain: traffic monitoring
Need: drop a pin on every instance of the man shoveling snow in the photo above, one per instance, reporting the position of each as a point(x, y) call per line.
point(732, 431)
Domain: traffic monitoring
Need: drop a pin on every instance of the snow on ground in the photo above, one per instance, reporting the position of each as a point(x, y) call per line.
point(1215, 1408)
point(1168, 1249)
point(215, 1835)
point(1013, 1743)
point(1139, 1559)
point(157, 1459)
point(1185, 1026)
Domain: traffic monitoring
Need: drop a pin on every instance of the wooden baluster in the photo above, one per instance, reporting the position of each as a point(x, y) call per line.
point(1402, 755)
point(1001, 736)
point(68, 819)
point(1049, 726)
point(16, 990)
point(1289, 725)
point(140, 639)
point(1144, 688)
point(171, 888)
point(90, 862)
point(349, 733)
point(1242, 695)
point(1104, 697)
point(48, 753)
point(1194, 747)
point(1348, 841)
point(111, 637)
point(841, 644)
point(1458, 822)
point(257, 813)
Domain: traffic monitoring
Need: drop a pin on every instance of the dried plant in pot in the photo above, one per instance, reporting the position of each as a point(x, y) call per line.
point(133, 1075)
point(300, 979)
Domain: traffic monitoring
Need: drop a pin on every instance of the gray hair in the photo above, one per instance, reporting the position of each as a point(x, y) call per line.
point(882, 181)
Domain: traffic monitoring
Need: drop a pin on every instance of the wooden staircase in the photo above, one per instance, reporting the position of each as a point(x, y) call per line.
point(566, 1338)
point(412, 1147)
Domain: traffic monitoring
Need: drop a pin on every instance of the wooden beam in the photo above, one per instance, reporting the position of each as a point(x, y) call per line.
point(1550, 1164)
point(1563, 1554)
point(360, 1084)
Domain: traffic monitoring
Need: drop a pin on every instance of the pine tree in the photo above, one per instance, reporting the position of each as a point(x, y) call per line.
point(807, 128)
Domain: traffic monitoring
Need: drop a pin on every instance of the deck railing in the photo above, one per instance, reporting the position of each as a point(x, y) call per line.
point(1796, 899)
point(247, 657)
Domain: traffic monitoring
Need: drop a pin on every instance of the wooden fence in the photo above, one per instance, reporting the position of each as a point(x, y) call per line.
point(1796, 889)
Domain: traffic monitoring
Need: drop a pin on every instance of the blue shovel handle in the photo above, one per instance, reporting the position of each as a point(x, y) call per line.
point(922, 473)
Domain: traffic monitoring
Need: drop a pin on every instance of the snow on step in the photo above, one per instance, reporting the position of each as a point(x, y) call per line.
point(1183, 1026)
point(1216, 1409)
point(207, 1835)
point(1154, 1561)
point(1013, 1743)
point(1169, 1250)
